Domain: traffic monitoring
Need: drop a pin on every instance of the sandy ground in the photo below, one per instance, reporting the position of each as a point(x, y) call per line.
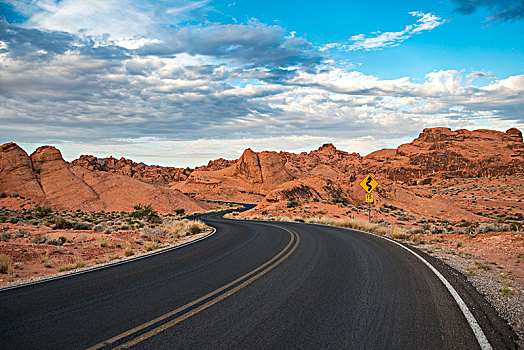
point(83, 249)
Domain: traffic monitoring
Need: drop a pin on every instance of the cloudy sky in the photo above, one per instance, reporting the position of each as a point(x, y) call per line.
point(176, 82)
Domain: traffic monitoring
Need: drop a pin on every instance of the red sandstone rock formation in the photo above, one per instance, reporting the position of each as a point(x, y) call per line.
point(150, 174)
point(49, 180)
point(326, 174)
point(442, 153)
point(16, 173)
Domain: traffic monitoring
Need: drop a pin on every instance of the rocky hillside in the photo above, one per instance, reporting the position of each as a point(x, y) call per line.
point(46, 179)
point(329, 175)
point(273, 179)
point(442, 153)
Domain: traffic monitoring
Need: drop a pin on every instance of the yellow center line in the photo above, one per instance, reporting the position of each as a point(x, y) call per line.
point(204, 306)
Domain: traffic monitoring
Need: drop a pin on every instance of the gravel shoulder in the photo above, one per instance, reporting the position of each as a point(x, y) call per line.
point(501, 289)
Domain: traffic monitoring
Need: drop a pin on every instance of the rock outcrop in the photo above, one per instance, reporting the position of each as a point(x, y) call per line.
point(62, 188)
point(149, 174)
point(443, 153)
point(47, 179)
point(17, 174)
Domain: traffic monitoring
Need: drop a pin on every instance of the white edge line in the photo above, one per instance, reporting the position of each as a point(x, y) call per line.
point(110, 265)
point(474, 325)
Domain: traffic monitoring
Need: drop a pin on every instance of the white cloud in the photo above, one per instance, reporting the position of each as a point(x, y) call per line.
point(128, 23)
point(228, 87)
point(476, 75)
point(425, 22)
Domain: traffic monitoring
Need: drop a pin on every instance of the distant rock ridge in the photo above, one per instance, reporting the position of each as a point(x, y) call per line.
point(47, 179)
point(127, 167)
point(326, 174)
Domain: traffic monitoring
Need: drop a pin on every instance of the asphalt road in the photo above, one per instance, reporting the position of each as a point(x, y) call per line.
point(257, 286)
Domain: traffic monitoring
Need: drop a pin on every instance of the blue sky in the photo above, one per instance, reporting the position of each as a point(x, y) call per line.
point(182, 82)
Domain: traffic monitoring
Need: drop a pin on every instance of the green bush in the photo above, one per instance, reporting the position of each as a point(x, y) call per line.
point(292, 203)
point(63, 224)
point(145, 212)
point(42, 212)
point(179, 211)
point(3, 195)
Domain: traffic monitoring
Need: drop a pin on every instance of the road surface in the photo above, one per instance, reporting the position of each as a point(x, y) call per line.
point(257, 286)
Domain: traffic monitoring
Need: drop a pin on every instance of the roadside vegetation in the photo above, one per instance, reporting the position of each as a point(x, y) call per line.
point(382, 228)
point(60, 241)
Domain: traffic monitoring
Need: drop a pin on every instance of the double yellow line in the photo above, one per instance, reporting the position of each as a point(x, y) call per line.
point(214, 297)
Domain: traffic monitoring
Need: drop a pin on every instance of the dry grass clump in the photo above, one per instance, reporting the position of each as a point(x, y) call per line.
point(354, 223)
point(177, 228)
point(77, 264)
point(6, 263)
point(103, 242)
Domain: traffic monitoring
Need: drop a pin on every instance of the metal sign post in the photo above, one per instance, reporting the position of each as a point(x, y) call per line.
point(369, 184)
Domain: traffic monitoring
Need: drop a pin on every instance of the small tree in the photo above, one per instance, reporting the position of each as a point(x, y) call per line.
point(145, 212)
point(179, 211)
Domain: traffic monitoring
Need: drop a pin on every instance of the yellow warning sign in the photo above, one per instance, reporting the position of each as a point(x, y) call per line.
point(369, 198)
point(368, 184)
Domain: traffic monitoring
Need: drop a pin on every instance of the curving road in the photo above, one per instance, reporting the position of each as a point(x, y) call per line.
point(257, 286)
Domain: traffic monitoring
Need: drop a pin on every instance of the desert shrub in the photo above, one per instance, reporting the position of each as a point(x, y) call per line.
point(128, 252)
point(80, 225)
point(103, 241)
point(40, 239)
point(486, 227)
point(195, 229)
point(391, 207)
point(465, 230)
point(398, 235)
point(416, 230)
point(42, 212)
point(3, 195)
point(435, 229)
point(77, 264)
point(15, 195)
point(5, 236)
point(179, 228)
point(99, 228)
point(341, 200)
point(3, 219)
point(62, 224)
point(56, 241)
point(179, 211)
point(6, 262)
point(145, 212)
point(292, 203)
